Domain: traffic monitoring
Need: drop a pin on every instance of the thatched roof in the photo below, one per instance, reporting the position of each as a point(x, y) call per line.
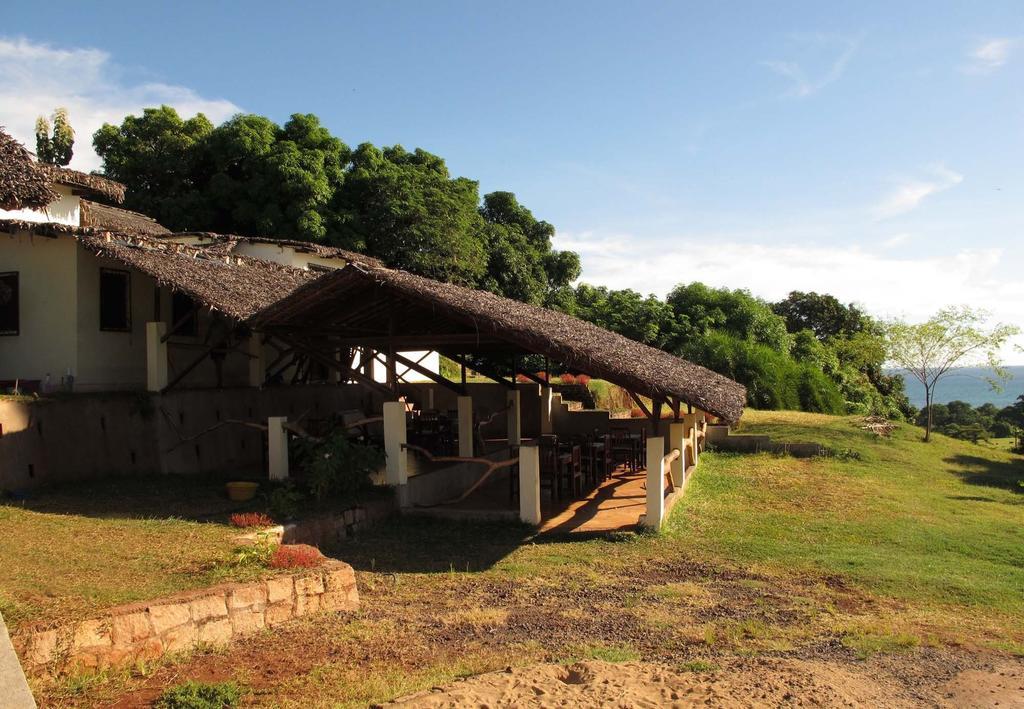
point(23, 185)
point(237, 286)
point(230, 241)
point(358, 300)
point(113, 191)
point(104, 216)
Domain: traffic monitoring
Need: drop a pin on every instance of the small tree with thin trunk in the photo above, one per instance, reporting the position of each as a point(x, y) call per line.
point(56, 147)
point(951, 339)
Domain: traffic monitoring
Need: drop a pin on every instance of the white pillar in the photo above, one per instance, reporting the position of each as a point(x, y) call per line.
point(156, 356)
point(277, 447)
point(655, 483)
point(334, 375)
point(465, 404)
point(690, 421)
point(545, 410)
point(677, 439)
point(529, 484)
point(257, 361)
point(397, 468)
point(514, 418)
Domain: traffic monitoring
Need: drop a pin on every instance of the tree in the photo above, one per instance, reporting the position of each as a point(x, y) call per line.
point(952, 338)
point(55, 147)
point(736, 312)
point(823, 314)
point(1013, 415)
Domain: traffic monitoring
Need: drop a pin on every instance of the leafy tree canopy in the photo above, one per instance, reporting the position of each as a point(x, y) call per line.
point(822, 314)
point(297, 181)
point(55, 147)
point(735, 312)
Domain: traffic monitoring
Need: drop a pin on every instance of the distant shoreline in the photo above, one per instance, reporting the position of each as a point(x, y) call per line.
point(968, 384)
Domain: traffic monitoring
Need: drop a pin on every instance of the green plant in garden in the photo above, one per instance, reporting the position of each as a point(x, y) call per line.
point(200, 695)
point(337, 465)
point(285, 501)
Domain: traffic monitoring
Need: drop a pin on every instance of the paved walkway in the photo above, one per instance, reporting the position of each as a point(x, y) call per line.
point(14, 692)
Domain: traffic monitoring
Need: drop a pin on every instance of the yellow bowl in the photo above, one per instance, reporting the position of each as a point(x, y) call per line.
point(242, 491)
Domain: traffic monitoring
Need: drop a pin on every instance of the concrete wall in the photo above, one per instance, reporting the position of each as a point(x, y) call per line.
point(48, 297)
point(64, 210)
point(88, 436)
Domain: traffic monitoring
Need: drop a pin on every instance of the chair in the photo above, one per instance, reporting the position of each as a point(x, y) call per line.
point(572, 467)
point(623, 448)
point(549, 467)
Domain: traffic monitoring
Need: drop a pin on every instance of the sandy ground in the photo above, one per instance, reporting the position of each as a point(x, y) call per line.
point(756, 684)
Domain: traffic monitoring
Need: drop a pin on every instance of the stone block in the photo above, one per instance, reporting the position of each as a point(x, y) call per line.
point(246, 597)
point(279, 612)
point(148, 649)
point(180, 638)
point(125, 630)
point(337, 601)
point(310, 585)
point(169, 615)
point(280, 589)
point(92, 634)
point(340, 579)
point(44, 647)
point(305, 605)
point(208, 607)
point(216, 632)
point(245, 621)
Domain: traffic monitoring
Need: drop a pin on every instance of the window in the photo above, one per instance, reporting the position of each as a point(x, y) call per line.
point(10, 323)
point(183, 315)
point(115, 300)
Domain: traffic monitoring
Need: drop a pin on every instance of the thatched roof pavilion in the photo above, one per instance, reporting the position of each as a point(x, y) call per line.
point(23, 182)
point(103, 216)
point(383, 308)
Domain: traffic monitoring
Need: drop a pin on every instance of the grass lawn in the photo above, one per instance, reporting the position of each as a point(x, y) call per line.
point(71, 551)
point(902, 559)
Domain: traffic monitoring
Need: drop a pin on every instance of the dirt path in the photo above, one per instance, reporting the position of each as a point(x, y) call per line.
point(774, 682)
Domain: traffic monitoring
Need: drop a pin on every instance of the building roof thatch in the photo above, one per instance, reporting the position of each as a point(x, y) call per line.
point(113, 191)
point(103, 216)
point(230, 241)
point(443, 310)
point(237, 286)
point(23, 185)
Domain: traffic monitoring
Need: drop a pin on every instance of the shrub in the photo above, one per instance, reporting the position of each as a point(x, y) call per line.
point(567, 378)
point(285, 502)
point(583, 380)
point(251, 519)
point(200, 695)
point(257, 554)
point(296, 556)
point(523, 379)
point(338, 465)
point(541, 375)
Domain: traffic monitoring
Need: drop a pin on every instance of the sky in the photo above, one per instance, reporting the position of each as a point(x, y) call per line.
point(871, 150)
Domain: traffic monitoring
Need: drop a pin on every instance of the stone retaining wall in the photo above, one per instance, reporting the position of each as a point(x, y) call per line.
point(211, 616)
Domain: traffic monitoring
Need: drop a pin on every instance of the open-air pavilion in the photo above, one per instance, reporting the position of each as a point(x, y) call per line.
point(510, 443)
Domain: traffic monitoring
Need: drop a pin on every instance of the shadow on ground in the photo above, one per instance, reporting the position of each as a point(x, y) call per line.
point(975, 470)
point(427, 545)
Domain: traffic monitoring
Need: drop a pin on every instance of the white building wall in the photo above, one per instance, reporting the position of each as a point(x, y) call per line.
point(65, 210)
point(47, 298)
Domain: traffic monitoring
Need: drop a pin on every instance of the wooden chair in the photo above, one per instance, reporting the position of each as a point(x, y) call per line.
point(623, 448)
point(573, 469)
point(550, 470)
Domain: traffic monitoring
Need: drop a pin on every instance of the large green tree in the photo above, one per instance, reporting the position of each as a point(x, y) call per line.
point(55, 145)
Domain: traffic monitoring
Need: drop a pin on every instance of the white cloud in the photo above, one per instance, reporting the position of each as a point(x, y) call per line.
point(805, 83)
point(886, 285)
point(908, 193)
point(36, 78)
point(989, 55)
point(896, 240)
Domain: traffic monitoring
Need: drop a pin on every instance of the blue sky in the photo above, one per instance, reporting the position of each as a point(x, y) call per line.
point(873, 150)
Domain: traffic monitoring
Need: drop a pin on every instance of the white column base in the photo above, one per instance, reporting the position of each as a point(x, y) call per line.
point(515, 437)
point(277, 448)
point(529, 485)
point(396, 472)
point(655, 484)
point(465, 405)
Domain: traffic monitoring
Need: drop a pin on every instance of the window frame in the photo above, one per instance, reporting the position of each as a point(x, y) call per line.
point(128, 299)
point(17, 304)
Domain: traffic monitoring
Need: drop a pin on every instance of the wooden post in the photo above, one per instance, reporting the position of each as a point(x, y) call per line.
point(514, 418)
point(546, 425)
point(655, 483)
point(257, 361)
point(277, 448)
point(677, 439)
point(529, 485)
point(156, 356)
point(465, 404)
point(397, 467)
